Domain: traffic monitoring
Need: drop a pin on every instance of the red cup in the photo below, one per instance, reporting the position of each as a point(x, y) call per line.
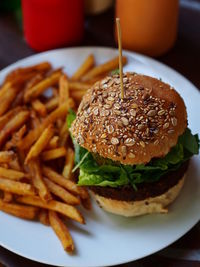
point(50, 24)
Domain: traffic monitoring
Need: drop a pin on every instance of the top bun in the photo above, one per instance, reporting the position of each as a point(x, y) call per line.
point(142, 126)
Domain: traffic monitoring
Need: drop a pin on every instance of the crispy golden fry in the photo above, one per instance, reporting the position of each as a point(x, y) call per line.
point(69, 185)
point(60, 192)
point(38, 181)
point(103, 68)
point(33, 81)
point(86, 203)
point(69, 163)
point(41, 67)
point(15, 123)
point(20, 211)
point(39, 107)
point(63, 208)
point(54, 153)
point(5, 88)
point(40, 87)
point(44, 217)
point(77, 95)
point(11, 174)
point(15, 165)
point(63, 89)
point(35, 121)
point(19, 99)
point(40, 144)
point(64, 134)
point(61, 231)
point(6, 156)
point(7, 197)
point(16, 137)
point(53, 143)
point(79, 86)
point(30, 138)
point(52, 103)
point(6, 117)
point(84, 68)
point(6, 99)
point(16, 187)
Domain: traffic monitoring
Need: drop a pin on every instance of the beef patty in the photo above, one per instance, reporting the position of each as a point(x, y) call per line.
point(144, 190)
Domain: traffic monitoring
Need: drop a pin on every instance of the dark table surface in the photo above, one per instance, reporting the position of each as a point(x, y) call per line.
point(183, 57)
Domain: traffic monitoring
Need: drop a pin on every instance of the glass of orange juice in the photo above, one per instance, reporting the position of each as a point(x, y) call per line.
point(148, 26)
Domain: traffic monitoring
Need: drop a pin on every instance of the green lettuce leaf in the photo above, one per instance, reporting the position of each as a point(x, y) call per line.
point(114, 174)
point(70, 117)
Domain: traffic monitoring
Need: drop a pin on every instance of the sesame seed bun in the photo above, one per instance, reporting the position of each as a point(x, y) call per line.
point(146, 124)
point(150, 205)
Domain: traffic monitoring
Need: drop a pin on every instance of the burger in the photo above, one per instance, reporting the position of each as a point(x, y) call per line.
point(133, 152)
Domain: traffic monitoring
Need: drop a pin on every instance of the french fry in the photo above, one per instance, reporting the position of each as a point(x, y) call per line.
point(34, 80)
point(15, 165)
point(79, 86)
point(7, 197)
point(6, 156)
point(6, 99)
point(53, 153)
point(15, 123)
point(20, 211)
point(38, 182)
point(16, 137)
point(69, 163)
point(84, 68)
point(86, 203)
point(53, 143)
point(16, 187)
point(77, 95)
point(19, 99)
point(30, 138)
point(11, 174)
point(5, 88)
point(103, 68)
point(63, 90)
point(35, 121)
point(40, 87)
point(62, 193)
point(40, 144)
point(60, 180)
point(6, 117)
point(39, 107)
point(41, 67)
point(63, 208)
point(61, 231)
point(52, 104)
point(64, 134)
point(44, 217)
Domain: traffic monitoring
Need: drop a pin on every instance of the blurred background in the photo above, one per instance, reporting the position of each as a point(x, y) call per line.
point(168, 30)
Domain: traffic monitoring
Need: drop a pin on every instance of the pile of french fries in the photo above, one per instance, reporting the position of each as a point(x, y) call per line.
point(36, 154)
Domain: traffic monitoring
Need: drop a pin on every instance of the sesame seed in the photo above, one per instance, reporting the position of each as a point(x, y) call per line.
point(151, 113)
point(129, 142)
point(174, 121)
point(114, 141)
point(166, 125)
point(124, 121)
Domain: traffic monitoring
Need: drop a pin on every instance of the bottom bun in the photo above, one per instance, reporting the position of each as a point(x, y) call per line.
point(150, 205)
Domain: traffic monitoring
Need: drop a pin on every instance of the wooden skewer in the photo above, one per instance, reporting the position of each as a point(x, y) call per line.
point(120, 56)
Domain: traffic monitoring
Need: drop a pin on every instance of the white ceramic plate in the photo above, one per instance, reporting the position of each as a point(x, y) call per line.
point(108, 239)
